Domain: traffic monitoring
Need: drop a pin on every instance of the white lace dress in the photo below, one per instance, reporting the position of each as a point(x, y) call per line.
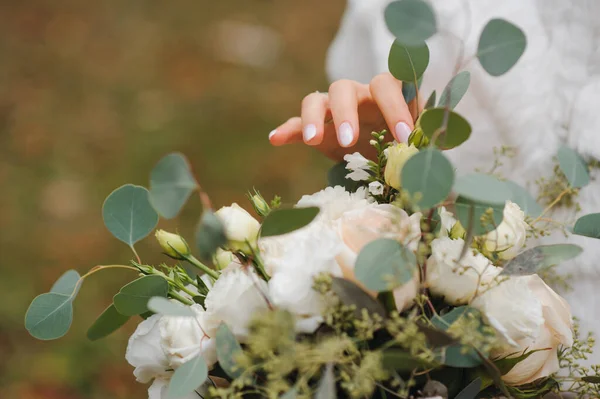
point(552, 96)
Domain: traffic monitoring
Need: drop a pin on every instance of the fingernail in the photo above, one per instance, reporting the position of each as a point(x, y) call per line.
point(309, 132)
point(272, 133)
point(346, 134)
point(402, 132)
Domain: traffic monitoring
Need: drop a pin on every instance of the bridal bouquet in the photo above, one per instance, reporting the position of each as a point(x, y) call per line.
point(401, 279)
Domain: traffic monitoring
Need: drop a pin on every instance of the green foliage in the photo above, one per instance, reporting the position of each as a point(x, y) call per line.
point(483, 188)
point(171, 184)
point(108, 322)
point(133, 298)
point(210, 235)
point(50, 315)
point(409, 90)
point(588, 226)
point(455, 90)
point(351, 294)
point(471, 390)
point(538, 258)
point(384, 264)
point(446, 136)
point(188, 378)
point(526, 202)
point(408, 63)
point(128, 215)
point(283, 221)
point(477, 217)
point(501, 44)
point(326, 388)
point(228, 349)
point(431, 100)
point(428, 177)
point(162, 305)
point(337, 177)
point(411, 21)
point(574, 167)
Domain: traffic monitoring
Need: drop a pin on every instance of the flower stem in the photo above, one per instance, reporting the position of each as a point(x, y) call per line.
point(181, 299)
point(196, 263)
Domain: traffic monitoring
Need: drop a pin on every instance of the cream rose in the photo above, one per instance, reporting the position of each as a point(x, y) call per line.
point(241, 228)
point(531, 316)
point(509, 238)
point(359, 227)
point(457, 281)
point(397, 155)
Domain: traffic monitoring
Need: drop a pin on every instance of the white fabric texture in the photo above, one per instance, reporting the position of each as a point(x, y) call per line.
point(551, 97)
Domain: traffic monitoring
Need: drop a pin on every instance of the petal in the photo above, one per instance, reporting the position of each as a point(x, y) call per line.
point(536, 364)
point(144, 351)
point(557, 312)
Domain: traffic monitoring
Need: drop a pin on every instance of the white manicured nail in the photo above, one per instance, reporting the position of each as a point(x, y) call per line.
point(345, 134)
point(402, 132)
point(309, 132)
point(272, 133)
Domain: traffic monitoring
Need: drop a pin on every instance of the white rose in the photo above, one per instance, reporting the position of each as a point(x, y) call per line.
point(145, 352)
point(456, 281)
point(532, 316)
point(397, 155)
point(234, 299)
point(508, 239)
point(240, 227)
point(184, 338)
point(359, 227)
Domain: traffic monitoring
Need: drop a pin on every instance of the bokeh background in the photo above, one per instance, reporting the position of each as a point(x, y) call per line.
point(92, 94)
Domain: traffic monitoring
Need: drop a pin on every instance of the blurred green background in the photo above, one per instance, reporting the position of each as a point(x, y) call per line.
point(92, 94)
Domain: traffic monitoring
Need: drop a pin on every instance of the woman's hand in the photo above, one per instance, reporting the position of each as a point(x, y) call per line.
point(341, 121)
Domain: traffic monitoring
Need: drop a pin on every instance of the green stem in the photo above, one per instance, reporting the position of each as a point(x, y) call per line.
point(195, 262)
point(181, 299)
point(187, 291)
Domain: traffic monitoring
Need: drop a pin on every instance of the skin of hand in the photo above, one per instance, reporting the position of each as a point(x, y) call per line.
point(340, 122)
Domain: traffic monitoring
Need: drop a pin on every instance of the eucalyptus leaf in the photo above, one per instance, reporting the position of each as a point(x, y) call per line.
point(408, 63)
point(292, 393)
point(455, 90)
point(162, 305)
point(326, 388)
point(128, 215)
point(430, 175)
point(431, 101)
point(411, 21)
point(458, 355)
point(210, 235)
point(49, 316)
point(480, 187)
point(535, 259)
point(507, 363)
point(573, 167)
point(471, 390)
point(526, 202)
point(384, 264)
point(171, 184)
point(401, 361)
point(108, 322)
point(593, 379)
point(133, 298)
point(351, 294)
point(67, 283)
point(283, 221)
point(457, 130)
point(409, 90)
point(336, 176)
point(469, 214)
point(588, 226)
point(227, 349)
point(187, 378)
point(501, 44)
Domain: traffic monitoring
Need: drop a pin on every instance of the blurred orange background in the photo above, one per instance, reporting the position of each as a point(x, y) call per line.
point(92, 94)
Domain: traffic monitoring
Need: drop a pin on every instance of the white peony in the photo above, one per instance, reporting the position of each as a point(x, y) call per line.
point(532, 316)
point(241, 228)
point(457, 281)
point(236, 296)
point(335, 201)
point(509, 238)
point(358, 167)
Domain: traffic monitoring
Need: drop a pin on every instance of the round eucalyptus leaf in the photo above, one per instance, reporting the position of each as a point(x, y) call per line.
point(351, 294)
point(162, 305)
point(428, 176)
point(171, 183)
point(409, 90)
point(501, 44)
point(49, 316)
point(384, 264)
point(128, 215)
point(573, 167)
point(133, 298)
point(526, 202)
point(455, 90)
point(210, 235)
point(283, 221)
point(457, 129)
point(588, 226)
point(408, 63)
point(108, 322)
point(228, 348)
point(187, 378)
point(480, 187)
point(535, 259)
point(411, 21)
point(469, 214)
point(67, 284)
